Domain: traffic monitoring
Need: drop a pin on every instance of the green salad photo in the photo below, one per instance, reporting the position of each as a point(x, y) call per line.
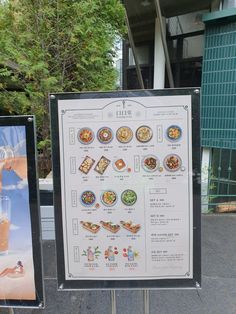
point(129, 197)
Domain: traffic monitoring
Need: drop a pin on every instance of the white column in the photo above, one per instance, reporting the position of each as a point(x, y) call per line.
point(205, 178)
point(159, 58)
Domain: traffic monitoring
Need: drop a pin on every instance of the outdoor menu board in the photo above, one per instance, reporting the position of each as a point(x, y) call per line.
point(20, 248)
point(126, 183)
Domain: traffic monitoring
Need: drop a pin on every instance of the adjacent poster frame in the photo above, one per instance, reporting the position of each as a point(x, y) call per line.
point(192, 283)
point(29, 123)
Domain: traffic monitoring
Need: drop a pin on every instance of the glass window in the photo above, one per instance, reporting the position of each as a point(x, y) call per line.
point(142, 53)
point(186, 23)
point(193, 47)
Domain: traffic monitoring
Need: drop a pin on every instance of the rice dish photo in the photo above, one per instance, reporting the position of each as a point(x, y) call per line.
point(174, 133)
point(124, 134)
point(172, 162)
point(150, 163)
point(88, 198)
point(109, 198)
point(105, 135)
point(85, 136)
point(144, 134)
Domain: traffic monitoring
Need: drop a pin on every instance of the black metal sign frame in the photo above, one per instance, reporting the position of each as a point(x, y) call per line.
point(195, 282)
point(29, 123)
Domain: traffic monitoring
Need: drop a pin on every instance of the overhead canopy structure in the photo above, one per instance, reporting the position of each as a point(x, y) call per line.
point(145, 24)
point(169, 7)
point(142, 13)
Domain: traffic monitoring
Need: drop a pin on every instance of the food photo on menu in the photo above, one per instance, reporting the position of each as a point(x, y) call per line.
point(102, 165)
point(16, 260)
point(130, 226)
point(92, 227)
point(125, 135)
point(105, 135)
point(144, 134)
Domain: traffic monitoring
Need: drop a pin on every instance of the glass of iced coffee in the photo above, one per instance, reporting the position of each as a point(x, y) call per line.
point(5, 211)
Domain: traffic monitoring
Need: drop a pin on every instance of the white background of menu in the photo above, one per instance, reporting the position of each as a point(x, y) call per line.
point(164, 204)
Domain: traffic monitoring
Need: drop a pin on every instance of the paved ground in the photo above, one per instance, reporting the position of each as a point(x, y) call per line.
point(217, 296)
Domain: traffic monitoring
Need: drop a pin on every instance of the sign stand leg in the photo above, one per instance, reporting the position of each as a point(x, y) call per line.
point(113, 302)
point(11, 310)
point(146, 301)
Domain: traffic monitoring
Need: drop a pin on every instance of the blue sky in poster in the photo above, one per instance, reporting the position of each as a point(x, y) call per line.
point(17, 190)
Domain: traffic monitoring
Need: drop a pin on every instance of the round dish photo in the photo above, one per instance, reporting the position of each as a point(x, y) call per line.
point(124, 134)
point(144, 134)
point(128, 197)
point(174, 133)
point(119, 165)
point(109, 198)
point(85, 136)
point(88, 198)
point(172, 162)
point(150, 163)
point(105, 135)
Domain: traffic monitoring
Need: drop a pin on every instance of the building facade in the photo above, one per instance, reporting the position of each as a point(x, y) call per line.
point(201, 41)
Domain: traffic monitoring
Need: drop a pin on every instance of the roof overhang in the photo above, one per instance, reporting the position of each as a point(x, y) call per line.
point(142, 13)
point(141, 8)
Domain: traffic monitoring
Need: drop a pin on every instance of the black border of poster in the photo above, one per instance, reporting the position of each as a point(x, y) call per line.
point(194, 282)
point(29, 123)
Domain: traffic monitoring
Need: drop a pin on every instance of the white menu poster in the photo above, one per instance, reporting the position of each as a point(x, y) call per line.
point(126, 185)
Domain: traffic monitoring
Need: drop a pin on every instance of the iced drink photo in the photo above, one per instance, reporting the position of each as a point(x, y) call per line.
point(10, 159)
point(4, 224)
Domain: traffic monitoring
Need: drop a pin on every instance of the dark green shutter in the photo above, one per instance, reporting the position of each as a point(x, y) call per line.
point(218, 100)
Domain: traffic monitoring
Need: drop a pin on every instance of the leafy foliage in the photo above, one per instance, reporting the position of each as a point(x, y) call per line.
point(54, 46)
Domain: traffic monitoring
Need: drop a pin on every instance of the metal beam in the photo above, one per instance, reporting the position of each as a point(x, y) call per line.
point(167, 58)
point(132, 45)
point(186, 35)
